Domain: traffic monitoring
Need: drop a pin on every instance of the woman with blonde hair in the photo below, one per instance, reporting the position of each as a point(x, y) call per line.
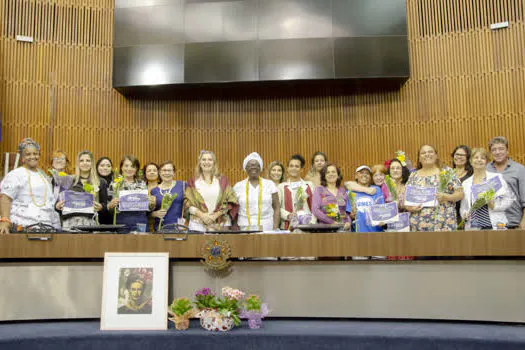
point(209, 200)
point(85, 174)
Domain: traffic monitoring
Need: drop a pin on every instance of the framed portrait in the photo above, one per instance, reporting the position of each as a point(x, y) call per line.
point(135, 291)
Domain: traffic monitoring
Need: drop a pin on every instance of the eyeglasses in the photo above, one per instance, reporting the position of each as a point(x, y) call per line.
point(460, 155)
point(168, 171)
point(59, 158)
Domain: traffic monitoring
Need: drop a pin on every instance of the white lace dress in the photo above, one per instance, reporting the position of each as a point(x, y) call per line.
point(27, 209)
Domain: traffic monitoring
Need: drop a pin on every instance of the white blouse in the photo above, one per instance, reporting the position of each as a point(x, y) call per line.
point(268, 189)
point(25, 210)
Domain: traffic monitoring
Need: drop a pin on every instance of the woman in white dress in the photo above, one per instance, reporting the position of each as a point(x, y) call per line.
point(209, 200)
point(27, 194)
point(258, 198)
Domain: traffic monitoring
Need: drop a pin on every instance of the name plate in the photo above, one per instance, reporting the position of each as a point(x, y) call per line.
point(78, 202)
point(133, 200)
point(494, 183)
point(402, 225)
point(381, 214)
point(418, 195)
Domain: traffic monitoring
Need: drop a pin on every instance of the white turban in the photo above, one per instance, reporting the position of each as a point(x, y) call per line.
point(252, 156)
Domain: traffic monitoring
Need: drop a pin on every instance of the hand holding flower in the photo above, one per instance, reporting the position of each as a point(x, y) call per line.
point(59, 205)
point(113, 204)
point(159, 214)
point(442, 197)
point(97, 206)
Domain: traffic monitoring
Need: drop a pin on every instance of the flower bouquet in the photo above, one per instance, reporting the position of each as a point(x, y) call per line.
point(390, 184)
point(182, 310)
point(254, 311)
point(445, 177)
point(167, 200)
point(484, 198)
point(219, 314)
point(332, 211)
point(301, 216)
point(118, 181)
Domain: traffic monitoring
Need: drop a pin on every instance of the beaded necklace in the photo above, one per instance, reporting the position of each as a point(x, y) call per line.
point(31, 189)
point(259, 203)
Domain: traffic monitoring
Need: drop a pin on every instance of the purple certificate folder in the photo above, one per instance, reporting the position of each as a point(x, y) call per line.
point(133, 200)
point(381, 214)
point(418, 195)
point(77, 202)
point(402, 225)
point(494, 183)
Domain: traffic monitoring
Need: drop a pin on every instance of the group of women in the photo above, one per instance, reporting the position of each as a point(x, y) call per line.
point(282, 200)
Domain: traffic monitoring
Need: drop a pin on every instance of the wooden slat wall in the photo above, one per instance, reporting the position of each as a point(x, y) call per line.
point(467, 84)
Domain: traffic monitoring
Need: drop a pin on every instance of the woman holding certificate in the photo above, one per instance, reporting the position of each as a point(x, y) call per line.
point(258, 198)
point(27, 195)
point(169, 196)
point(87, 195)
point(330, 199)
point(487, 195)
point(295, 196)
point(209, 201)
point(431, 194)
point(130, 202)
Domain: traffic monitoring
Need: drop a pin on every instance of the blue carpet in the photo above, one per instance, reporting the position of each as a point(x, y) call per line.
point(276, 334)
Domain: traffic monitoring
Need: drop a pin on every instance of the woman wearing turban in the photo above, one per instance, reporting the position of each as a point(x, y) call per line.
point(258, 197)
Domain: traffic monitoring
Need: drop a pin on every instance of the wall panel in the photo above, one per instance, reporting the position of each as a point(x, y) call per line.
point(467, 85)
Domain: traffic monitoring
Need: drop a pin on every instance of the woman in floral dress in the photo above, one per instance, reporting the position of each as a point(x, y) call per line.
point(427, 175)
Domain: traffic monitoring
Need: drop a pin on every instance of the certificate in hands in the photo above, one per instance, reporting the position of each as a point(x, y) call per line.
point(494, 183)
point(381, 214)
point(133, 200)
point(78, 202)
point(402, 225)
point(418, 195)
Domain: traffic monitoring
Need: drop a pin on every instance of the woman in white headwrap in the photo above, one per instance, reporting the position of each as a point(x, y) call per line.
point(27, 194)
point(258, 197)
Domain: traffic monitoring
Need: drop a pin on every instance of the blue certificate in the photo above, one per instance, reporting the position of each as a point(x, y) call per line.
point(381, 214)
point(402, 225)
point(133, 200)
point(77, 202)
point(494, 183)
point(418, 195)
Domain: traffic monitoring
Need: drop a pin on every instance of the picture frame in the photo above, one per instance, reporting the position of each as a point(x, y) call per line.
point(135, 291)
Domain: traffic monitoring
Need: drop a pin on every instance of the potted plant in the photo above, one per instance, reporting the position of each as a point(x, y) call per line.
point(182, 310)
point(254, 310)
point(219, 314)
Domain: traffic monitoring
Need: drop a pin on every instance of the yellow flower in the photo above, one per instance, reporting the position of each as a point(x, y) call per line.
point(117, 179)
point(62, 173)
point(401, 157)
point(442, 172)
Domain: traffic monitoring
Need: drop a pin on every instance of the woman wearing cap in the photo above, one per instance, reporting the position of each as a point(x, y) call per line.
point(427, 175)
point(27, 194)
point(363, 201)
point(295, 195)
point(209, 201)
point(330, 199)
point(258, 198)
